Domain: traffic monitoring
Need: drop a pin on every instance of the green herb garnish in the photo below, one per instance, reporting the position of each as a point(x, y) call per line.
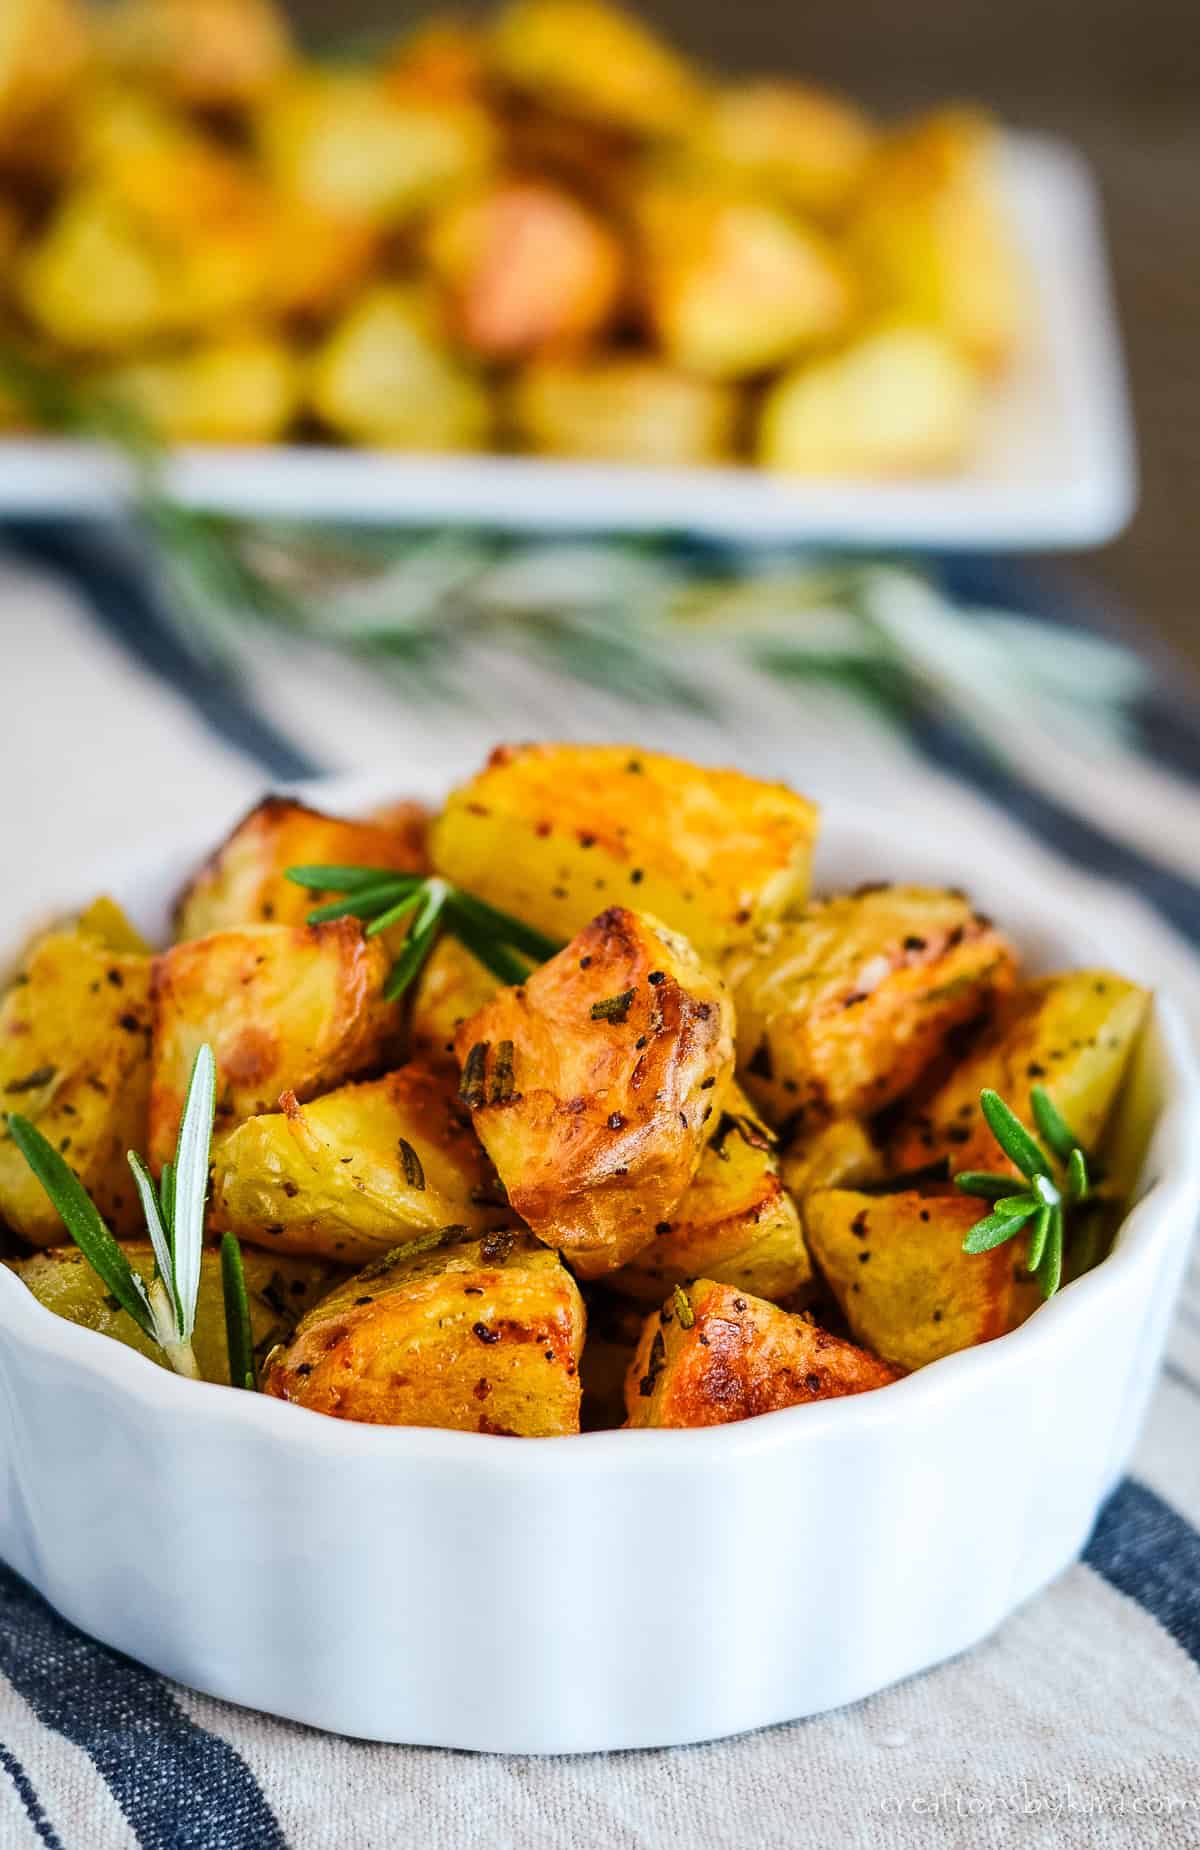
point(414, 1172)
point(382, 898)
point(164, 1308)
point(612, 1008)
point(683, 1307)
point(1040, 1208)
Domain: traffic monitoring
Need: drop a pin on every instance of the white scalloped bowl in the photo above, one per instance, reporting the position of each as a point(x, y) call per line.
point(614, 1590)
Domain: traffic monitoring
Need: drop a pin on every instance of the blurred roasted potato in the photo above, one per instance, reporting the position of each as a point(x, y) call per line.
point(789, 141)
point(896, 1266)
point(1072, 1034)
point(340, 139)
point(524, 267)
point(932, 239)
point(736, 286)
point(592, 1084)
point(207, 53)
point(75, 1059)
point(551, 833)
point(898, 401)
point(243, 882)
point(356, 1171)
point(284, 1008)
point(736, 1223)
point(591, 59)
point(622, 408)
point(445, 58)
point(386, 377)
point(242, 388)
point(44, 46)
point(451, 988)
point(481, 1336)
point(841, 1009)
point(713, 1354)
point(279, 1292)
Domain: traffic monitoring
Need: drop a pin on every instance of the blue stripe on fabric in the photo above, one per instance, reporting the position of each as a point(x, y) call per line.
point(29, 1799)
point(1147, 1550)
point(180, 1787)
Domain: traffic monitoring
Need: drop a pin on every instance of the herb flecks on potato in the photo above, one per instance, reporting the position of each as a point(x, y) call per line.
point(841, 1010)
point(554, 833)
point(714, 1354)
point(479, 1336)
point(594, 1084)
point(357, 1171)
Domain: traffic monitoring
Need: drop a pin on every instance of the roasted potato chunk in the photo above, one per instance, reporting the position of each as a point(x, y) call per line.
point(482, 1336)
point(842, 1009)
point(735, 286)
point(588, 58)
point(592, 1084)
point(790, 141)
point(551, 832)
point(75, 1059)
point(285, 1009)
point(244, 881)
point(444, 57)
point(208, 53)
point(899, 401)
point(1072, 1034)
point(279, 1291)
point(524, 266)
point(714, 1354)
point(931, 236)
point(356, 1171)
point(840, 1154)
point(622, 409)
point(451, 988)
point(43, 48)
point(386, 377)
point(241, 388)
point(736, 1223)
point(896, 1266)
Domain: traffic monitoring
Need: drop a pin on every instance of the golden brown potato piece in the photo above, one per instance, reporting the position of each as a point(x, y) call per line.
point(591, 59)
point(482, 1336)
point(451, 988)
point(899, 401)
point(386, 377)
point(75, 1059)
point(735, 287)
point(622, 409)
point(105, 921)
point(43, 48)
point(841, 1010)
point(284, 1008)
point(804, 146)
point(208, 53)
point(341, 140)
point(550, 833)
point(736, 1223)
point(279, 1291)
point(592, 1085)
point(714, 1354)
point(1072, 1034)
point(525, 266)
point(239, 388)
point(932, 238)
point(243, 882)
point(445, 58)
point(896, 1267)
point(357, 1171)
point(840, 1154)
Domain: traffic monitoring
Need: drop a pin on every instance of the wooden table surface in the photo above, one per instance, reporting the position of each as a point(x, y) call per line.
point(1121, 78)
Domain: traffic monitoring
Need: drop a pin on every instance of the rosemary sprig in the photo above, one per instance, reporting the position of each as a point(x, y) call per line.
point(383, 898)
point(1040, 1208)
point(163, 1308)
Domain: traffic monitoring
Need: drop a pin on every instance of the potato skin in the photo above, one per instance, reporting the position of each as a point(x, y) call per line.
point(480, 1336)
point(589, 59)
point(839, 1154)
point(622, 408)
point(285, 1008)
point(896, 1266)
point(1072, 1034)
point(841, 1009)
point(740, 1357)
point(598, 1125)
point(283, 1182)
point(75, 1059)
point(279, 1291)
point(204, 53)
point(386, 376)
point(790, 141)
point(242, 882)
point(736, 1223)
point(451, 988)
point(551, 833)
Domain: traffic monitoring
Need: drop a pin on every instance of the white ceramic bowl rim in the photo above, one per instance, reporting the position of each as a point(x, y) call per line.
point(1176, 1154)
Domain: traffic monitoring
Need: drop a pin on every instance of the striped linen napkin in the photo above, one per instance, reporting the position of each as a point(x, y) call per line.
point(1077, 1723)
